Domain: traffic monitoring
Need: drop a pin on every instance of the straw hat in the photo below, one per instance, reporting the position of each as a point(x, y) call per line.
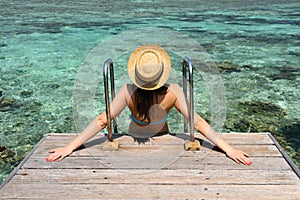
point(149, 67)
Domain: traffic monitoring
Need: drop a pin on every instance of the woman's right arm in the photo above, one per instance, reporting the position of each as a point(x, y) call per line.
point(99, 123)
point(91, 130)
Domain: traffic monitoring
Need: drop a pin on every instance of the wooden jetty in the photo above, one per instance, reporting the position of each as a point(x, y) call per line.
point(160, 170)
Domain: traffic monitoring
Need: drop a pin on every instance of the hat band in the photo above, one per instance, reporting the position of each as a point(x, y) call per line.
point(153, 81)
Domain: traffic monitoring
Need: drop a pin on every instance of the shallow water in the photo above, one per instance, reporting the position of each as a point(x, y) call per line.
point(44, 48)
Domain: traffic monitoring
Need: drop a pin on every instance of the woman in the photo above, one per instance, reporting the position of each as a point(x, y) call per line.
point(149, 99)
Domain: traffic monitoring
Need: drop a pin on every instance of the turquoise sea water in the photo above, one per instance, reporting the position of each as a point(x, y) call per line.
point(43, 46)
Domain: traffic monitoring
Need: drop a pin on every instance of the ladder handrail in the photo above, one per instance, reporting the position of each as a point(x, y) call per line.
point(109, 63)
point(187, 63)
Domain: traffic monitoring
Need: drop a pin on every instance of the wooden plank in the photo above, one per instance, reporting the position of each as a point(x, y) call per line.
point(231, 138)
point(142, 191)
point(173, 146)
point(142, 176)
point(162, 170)
point(265, 163)
point(127, 150)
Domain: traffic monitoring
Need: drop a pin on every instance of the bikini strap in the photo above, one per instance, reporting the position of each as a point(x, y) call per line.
point(141, 122)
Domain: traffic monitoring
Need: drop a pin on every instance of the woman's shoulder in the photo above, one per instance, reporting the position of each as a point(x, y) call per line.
point(174, 87)
point(129, 88)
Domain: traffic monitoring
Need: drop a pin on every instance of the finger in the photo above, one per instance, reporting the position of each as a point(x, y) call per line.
point(55, 157)
point(246, 154)
point(52, 151)
point(61, 158)
point(50, 158)
point(248, 162)
point(245, 160)
point(236, 160)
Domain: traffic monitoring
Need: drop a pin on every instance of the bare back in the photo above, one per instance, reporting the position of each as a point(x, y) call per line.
point(159, 110)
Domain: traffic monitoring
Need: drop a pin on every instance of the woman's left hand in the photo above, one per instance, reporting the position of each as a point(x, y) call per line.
point(239, 156)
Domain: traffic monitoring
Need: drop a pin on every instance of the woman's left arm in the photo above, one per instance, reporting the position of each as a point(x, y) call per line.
point(203, 127)
point(237, 155)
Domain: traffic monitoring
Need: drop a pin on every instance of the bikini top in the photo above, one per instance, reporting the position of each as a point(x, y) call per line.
point(141, 122)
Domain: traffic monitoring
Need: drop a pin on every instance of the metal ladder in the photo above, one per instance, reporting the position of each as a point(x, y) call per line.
point(186, 65)
point(109, 64)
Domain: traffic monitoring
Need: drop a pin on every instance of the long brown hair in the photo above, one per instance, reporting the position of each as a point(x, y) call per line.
point(144, 99)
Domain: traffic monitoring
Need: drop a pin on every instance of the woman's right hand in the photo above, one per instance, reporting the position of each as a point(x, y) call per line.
point(58, 154)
